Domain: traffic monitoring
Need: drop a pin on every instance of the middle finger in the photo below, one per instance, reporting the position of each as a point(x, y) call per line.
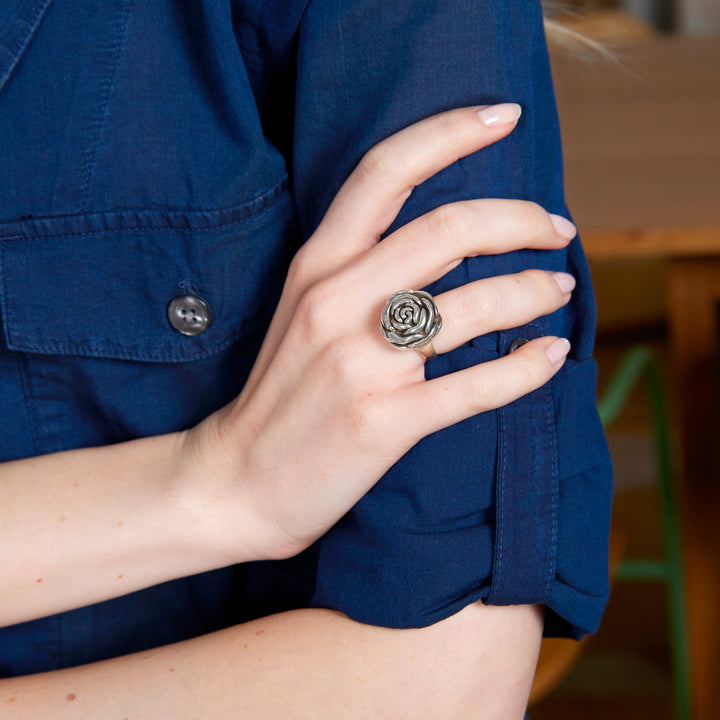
point(430, 246)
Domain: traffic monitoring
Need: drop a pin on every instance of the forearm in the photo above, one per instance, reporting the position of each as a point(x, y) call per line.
point(86, 525)
point(306, 664)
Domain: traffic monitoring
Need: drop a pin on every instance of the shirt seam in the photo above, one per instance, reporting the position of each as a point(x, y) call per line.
point(108, 85)
point(251, 209)
point(551, 432)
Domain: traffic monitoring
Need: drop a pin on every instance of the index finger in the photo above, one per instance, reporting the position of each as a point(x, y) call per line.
point(373, 195)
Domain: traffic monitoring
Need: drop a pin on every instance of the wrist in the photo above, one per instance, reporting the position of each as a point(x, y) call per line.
point(216, 491)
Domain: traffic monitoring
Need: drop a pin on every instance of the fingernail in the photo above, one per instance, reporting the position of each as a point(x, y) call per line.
point(557, 350)
point(565, 281)
point(500, 114)
point(563, 227)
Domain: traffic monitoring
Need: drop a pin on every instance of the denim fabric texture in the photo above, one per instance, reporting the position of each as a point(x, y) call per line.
point(155, 148)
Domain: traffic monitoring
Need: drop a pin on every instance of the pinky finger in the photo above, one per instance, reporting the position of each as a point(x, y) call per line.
point(444, 401)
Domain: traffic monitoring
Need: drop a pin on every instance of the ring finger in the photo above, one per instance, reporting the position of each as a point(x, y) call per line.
point(499, 303)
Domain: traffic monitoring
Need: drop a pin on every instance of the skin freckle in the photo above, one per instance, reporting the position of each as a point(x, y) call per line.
point(39, 580)
point(75, 485)
point(119, 577)
point(259, 633)
point(11, 700)
point(71, 697)
point(63, 518)
point(171, 669)
point(119, 524)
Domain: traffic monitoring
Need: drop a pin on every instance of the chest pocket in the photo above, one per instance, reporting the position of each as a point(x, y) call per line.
point(111, 285)
point(17, 27)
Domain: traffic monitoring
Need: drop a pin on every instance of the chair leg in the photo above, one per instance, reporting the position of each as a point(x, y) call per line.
point(673, 549)
point(640, 361)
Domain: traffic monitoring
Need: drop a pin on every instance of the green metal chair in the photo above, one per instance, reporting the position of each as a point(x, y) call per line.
point(640, 363)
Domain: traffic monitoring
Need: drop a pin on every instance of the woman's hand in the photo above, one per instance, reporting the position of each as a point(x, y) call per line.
point(330, 404)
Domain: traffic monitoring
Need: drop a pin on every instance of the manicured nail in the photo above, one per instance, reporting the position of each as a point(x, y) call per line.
point(500, 114)
point(565, 281)
point(557, 350)
point(563, 227)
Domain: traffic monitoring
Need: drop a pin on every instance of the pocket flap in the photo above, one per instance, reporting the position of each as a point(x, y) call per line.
point(100, 285)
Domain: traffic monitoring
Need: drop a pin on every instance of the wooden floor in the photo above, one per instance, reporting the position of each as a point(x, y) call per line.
point(624, 671)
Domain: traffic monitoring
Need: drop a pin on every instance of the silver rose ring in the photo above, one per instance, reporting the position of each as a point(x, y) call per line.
point(411, 319)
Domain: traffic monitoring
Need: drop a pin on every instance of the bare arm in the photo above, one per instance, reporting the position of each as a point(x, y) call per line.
point(86, 525)
point(306, 664)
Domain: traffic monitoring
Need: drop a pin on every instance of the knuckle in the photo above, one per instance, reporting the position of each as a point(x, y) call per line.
point(448, 126)
point(340, 361)
point(379, 164)
point(300, 270)
point(534, 219)
point(312, 313)
point(488, 304)
point(538, 282)
point(451, 224)
point(545, 295)
point(534, 276)
point(529, 370)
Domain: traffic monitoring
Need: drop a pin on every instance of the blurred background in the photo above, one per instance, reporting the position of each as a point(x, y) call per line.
point(640, 117)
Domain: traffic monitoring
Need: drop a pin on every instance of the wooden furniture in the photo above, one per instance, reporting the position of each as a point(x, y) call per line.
point(642, 148)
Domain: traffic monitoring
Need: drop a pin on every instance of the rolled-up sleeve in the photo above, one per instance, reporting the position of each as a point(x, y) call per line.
point(510, 506)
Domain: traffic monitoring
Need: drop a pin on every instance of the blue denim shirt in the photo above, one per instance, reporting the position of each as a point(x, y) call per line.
point(154, 149)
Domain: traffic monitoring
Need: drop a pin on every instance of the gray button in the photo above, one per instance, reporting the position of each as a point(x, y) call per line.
point(515, 344)
point(189, 314)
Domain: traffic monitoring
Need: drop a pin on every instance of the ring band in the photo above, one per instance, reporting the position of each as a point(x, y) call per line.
point(411, 320)
point(426, 351)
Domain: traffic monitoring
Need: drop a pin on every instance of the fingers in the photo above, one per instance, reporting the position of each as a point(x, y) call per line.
point(499, 303)
point(372, 196)
point(427, 248)
point(435, 404)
